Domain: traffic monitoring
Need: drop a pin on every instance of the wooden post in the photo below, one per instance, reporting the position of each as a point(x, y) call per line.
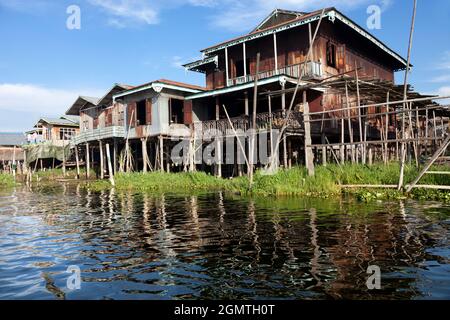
point(362, 147)
point(14, 162)
point(350, 128)
point(144, 155)
point(161, 153)
point(309, 156)
point(226, 67)
point(218, 165)
point(386, 136)
point(110, 169)
point(270, 126)
point(115, 151)
point(77, 159)
point(88, 165)
point(255, 105)
point(283, 109)
point(324, 150)
point(244, 55)
point(342, 148)
point(102, 165)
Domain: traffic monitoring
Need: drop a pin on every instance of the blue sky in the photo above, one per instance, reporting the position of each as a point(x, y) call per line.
point(44, 66)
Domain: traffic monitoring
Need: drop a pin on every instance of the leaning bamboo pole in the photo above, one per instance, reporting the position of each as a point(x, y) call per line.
point(405, 96)
point(288, 113)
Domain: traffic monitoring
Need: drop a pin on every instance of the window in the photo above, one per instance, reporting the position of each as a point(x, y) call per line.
point(120, 120)
point(66, 133)
point(331, 54)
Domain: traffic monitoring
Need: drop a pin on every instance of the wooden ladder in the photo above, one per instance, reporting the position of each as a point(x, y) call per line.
point(430, 162)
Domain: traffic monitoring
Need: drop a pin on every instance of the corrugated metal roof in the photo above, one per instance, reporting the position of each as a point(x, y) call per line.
point(59, 121)
point(12, 138)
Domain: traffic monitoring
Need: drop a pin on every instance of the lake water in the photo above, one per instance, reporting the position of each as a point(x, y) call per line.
point(212, 246)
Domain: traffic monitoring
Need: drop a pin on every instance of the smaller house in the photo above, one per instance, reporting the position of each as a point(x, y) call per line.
point(56, 130)
point(11, 149)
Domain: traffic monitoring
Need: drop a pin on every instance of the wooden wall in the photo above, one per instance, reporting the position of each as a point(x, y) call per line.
point(292, 48)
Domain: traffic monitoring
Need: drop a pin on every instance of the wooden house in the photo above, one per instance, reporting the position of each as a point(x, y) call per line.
point(58, 131)
point(341, 50)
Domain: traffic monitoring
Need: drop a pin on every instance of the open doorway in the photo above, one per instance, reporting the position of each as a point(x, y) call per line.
point(141, 113)
point(175, 111)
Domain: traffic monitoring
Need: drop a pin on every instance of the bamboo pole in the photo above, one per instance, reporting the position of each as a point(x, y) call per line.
point(309, 156)
point(255, 105)
point(161, 153)
point(405, 96)
point(237, 137)
point(77, 160)
point(144, 155)
point(358, 97)
point(286, 117)
point(386, 146)
point(399, 102)
point(436, 155)
point(350, 128)
point(102, 161)
point(270, 125)
point(88, 168)
point(110, 169)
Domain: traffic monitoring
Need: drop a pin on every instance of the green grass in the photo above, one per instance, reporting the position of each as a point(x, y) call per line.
point(159, 181)
point(6, 180)
point(325, 183)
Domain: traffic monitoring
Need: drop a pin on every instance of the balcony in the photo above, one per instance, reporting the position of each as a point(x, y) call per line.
point(211, 128)
point(98, 134)
point(313, 70)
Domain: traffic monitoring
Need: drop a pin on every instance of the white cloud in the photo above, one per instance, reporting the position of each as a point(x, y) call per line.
point(444, 91)
point(203, 3)
point(32, 98)
point(177, 62)
point(124, 13)
point(440, 79)
point(244, 15)
point(445, 64)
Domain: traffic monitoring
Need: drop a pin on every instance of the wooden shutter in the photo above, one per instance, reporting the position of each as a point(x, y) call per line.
point(148, 111)
point(340, 57)
point(131, 110)
point(187, 111)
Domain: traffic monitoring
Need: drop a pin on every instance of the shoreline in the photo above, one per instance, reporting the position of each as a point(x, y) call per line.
point(329, 181)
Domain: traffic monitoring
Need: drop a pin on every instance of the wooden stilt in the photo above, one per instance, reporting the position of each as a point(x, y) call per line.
point(77, 160)
point(144, 155)
point(359, 113)
point(88, 165)
point(102, 164)
point(350, 128)
point(110, 169)
point(161, 153)
point(255, 105)
point(324, 150)
point(309, 156)
point(115, 158)
point(283, 108)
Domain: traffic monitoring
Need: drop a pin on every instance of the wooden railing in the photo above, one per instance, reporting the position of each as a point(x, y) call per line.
point(313, 70)
point(98, 134)
point(211, 128)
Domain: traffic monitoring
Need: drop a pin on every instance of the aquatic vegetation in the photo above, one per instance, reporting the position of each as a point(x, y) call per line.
point(327, 182)
point(6, 180)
